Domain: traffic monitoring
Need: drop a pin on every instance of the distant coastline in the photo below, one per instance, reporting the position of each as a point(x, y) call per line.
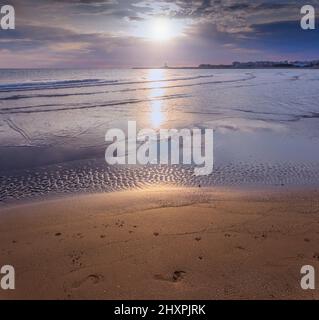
point(314, 64)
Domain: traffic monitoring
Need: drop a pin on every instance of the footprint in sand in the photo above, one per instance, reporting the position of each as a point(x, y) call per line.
point(92, 278)
point(177, 276)
point(76, 258)
point(77, 235)
point(119, 223)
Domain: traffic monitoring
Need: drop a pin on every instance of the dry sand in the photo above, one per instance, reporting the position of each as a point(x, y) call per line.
point(163, 243)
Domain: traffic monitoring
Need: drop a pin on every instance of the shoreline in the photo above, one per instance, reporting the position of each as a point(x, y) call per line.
point(93, 176)
point(163, 243)
point(244, 188)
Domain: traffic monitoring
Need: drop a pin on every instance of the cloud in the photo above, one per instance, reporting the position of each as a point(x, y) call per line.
point(100, 32)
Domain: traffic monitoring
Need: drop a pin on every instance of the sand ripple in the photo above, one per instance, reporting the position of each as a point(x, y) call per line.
point(96, 176)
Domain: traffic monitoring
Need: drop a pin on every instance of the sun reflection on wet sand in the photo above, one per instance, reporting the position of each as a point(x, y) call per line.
point(157, 116)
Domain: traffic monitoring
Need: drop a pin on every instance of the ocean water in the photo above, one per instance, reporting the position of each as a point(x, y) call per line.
point(53, 124)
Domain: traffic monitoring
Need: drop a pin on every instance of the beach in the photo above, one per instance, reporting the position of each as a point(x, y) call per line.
point(163, 242)
point(159, 150)
point(76, 227)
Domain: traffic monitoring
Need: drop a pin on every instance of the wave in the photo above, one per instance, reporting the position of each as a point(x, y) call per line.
point(64, 107)
point(67, 84)
point(38, 85)
point(56, 95)
point(59, 95)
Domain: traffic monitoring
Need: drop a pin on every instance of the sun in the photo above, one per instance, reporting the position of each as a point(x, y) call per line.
point(159, 29)
point(162, 29)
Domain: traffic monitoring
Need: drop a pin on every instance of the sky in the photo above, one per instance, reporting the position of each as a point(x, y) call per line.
point(116, 33)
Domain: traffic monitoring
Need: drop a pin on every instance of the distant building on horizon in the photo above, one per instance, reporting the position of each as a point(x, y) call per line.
point(263, 64)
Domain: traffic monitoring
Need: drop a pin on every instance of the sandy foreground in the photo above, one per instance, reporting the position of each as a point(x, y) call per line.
point(163, 243)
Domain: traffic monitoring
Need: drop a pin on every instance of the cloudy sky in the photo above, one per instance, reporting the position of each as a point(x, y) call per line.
point(116, 33)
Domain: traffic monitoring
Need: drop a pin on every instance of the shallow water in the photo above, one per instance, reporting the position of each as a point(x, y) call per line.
point(266, 126)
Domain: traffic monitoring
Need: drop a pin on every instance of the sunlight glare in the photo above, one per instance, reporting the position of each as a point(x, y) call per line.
point(157, 115)
point(162, 29)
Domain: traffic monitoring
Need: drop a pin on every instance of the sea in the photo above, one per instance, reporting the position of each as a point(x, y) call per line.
point(53, 125)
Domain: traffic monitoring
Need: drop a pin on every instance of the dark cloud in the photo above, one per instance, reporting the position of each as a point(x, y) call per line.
point(285, 37)
point(136, 18)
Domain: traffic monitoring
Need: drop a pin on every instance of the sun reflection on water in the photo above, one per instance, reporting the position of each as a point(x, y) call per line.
point(157, 108)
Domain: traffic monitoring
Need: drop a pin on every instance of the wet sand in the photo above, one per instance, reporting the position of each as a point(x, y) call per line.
point(163, 243)
point(91, 176)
